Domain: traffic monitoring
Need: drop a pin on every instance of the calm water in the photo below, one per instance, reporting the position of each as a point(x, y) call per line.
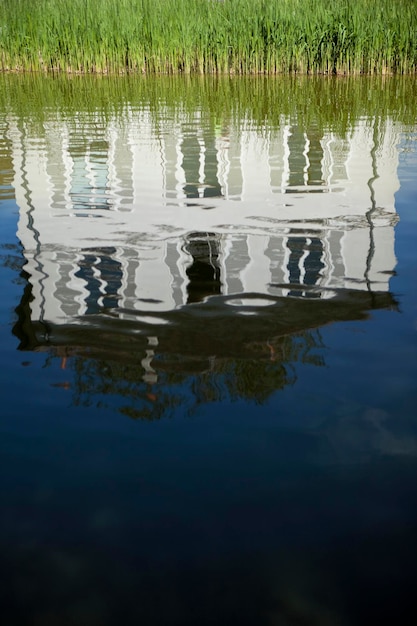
point(208, 351)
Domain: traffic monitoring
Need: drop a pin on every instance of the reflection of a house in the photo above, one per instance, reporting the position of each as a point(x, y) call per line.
point(120, 216)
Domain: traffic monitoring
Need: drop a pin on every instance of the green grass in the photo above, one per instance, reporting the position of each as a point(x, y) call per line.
point(209, 36)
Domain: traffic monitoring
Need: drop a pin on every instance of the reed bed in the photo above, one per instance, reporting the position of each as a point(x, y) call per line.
point(209, 36)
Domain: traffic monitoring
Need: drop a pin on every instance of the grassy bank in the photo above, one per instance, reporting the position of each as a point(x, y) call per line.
point(209, 36)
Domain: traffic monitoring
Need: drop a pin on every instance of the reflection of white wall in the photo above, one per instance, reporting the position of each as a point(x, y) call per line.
point(256, 275)
point(120, 186)
point(386, 157)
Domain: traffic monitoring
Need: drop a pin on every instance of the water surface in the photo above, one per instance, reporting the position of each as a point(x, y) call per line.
point(208, 350)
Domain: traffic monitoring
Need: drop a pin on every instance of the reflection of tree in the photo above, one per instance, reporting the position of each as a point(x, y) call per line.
point(205, 352)
point(190, 381)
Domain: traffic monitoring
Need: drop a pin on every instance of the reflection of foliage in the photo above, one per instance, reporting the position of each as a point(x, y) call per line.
point(250, 379)
point(188, 382)
point(329, 104)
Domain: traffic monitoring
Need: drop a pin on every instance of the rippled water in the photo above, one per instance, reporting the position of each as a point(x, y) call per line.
point(208, 350)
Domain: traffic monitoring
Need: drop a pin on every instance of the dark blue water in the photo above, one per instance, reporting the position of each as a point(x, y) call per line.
point(291, 503)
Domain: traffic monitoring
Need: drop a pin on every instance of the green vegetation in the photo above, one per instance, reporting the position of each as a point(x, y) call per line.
point(209, 36)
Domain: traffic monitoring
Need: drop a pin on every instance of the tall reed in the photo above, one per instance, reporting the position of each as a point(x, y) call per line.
point(209, 36)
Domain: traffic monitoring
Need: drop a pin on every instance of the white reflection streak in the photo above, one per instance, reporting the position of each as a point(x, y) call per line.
point(305, 154)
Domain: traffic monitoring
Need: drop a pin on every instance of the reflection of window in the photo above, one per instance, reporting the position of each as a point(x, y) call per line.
point(305, 159)
point(200, 167)
point(102, 276)
point(204, 272)
point(305, 263)
point(89, 176)
point(315, 158)
point(296, 158)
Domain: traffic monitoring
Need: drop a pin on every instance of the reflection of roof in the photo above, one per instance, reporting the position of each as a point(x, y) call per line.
point(225, 326)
